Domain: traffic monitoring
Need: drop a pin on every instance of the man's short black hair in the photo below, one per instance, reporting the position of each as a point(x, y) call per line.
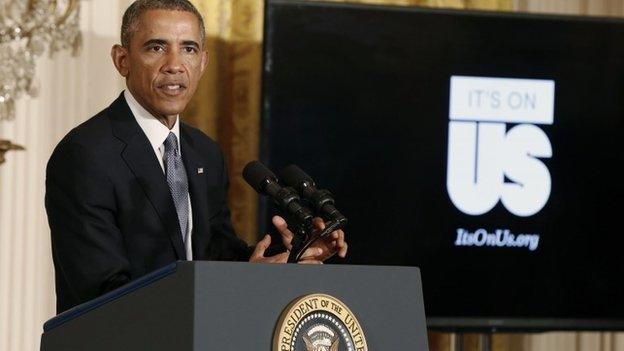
point(134, 11)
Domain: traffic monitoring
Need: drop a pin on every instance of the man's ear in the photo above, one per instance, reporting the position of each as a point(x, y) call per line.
point(119, 54)
point(204, 60)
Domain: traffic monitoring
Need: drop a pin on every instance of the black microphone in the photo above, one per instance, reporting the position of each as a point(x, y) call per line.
point(322, 200)
point(265, 182)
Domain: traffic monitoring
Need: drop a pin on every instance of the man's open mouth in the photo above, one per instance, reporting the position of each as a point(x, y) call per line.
point(172, 89)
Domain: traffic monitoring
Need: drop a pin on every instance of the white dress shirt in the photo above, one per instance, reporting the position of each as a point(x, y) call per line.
point(157, 133)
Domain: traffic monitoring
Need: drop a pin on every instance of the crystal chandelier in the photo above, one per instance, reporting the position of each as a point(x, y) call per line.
point(27, 29)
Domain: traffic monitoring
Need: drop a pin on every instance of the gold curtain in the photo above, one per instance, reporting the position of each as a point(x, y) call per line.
point(461, 4)
point(227, 103)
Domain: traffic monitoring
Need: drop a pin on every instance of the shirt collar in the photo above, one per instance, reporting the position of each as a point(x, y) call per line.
point(155, 131)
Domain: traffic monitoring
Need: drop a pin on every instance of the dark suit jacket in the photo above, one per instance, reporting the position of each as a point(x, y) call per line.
point(111, 213)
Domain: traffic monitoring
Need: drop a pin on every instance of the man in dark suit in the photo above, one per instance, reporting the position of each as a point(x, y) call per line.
point(133, 189)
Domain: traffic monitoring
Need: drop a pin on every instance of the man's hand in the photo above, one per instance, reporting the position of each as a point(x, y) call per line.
point(321, 249)
point(258, 255)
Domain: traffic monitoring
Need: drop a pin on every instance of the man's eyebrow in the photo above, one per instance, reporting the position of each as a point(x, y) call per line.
point(155, 41)
point(165, 42)
point(190, 43)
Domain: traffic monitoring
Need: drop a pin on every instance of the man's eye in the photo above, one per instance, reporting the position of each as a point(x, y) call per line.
point(156, 48)
point(190, 50)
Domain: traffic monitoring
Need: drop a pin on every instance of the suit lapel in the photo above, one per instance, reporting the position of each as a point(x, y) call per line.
point(198, 191)
point(140, 158)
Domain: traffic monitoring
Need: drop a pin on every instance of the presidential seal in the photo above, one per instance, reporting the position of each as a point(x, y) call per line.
point(318, 322)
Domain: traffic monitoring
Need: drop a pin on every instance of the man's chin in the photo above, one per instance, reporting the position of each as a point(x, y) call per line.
point(167, 107)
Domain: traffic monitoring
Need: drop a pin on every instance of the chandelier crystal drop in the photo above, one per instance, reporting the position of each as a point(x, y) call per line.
point(29, 28)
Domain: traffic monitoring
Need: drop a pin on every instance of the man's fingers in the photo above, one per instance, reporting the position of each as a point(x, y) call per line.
point(325, 248)
point(318, 223)
point(261, 247)
point(341, 244)
point(282, 227)
point(343, 250)
point(311, 253)
point(279, 258)
point(338, 243)
point(310, 262)
point(258, 254)
point(341, 240)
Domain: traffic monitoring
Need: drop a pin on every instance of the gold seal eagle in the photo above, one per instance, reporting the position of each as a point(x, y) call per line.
point(318, 322)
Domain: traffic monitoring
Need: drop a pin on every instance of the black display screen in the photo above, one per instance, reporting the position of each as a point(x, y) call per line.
point(483, 148)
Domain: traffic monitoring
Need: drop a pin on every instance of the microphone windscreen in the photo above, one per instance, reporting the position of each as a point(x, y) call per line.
point(255, 174)
point(294, 176)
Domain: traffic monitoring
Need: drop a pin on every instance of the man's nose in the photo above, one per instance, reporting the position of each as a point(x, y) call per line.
point(173, 63)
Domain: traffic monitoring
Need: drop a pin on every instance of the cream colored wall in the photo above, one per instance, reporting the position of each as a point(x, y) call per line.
point(572, 7)
point(72, 89)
